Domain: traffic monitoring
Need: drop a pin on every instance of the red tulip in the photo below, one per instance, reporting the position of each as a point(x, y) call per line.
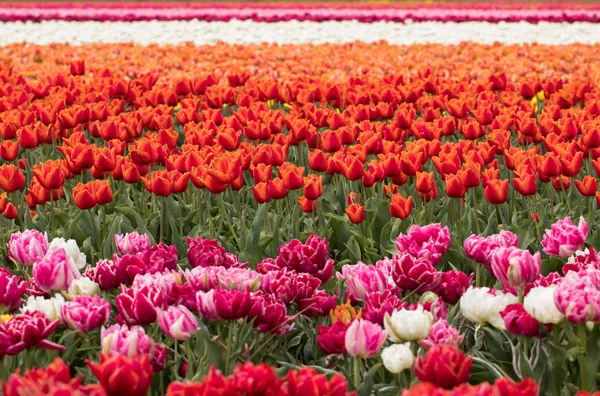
point(120, 375)
point(444, 366)
point(356, 213)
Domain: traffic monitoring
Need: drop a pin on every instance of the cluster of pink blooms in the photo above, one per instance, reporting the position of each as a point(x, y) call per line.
point(397, 12)
point(151, 287)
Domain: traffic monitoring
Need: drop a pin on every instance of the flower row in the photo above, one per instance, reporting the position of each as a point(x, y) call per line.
point(399, 12)
point(294, 32)
point(147, 312)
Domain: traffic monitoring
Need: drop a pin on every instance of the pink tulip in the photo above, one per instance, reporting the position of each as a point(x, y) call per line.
point(84, 313)
point(319, 304)
point(377, 304)
point(515, 266)
point(564, 238)
point(269, 315)
point(129, 266)
point(280, 283)
point(162, 257)
point(177, 323)
point(364, 339)
point(577, 296)
point(430, 242)
point(208, 253)
point(206, 278)
point(132, 243)
point(480, 248)
point(519, 322)
point(11, 289)
point(362, 279)
point(105, 274)
point(452, 285)
point(441, 333)
point(311, 257)
point(205, 303)
point(130, 342)
point(30, 330)
point(332, 339)
point(412, 273)
point(137, 306)
point(55, 271)
point(232, 304)
point(26, 247)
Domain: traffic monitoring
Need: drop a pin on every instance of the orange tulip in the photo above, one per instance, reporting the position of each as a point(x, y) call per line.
point(587, 187)
point(261, 173)
point(424, 182)
point(400, 207)
point(49, 174)
point(496, 191)
point(307, 205)
point(96, 192)
point(9, 150)
point(454, 186)
point(277, 188)
point(313, 187)
point(561, 183)
point(10, 212)
point(261, 192)
point(11, 178)
point(525, 184)
point(293, 177)
point(356, 213)
point(317, 160)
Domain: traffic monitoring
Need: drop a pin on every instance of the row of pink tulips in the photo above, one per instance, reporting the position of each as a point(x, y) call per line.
point(313, 12)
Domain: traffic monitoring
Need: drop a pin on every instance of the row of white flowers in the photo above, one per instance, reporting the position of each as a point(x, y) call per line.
point(246, 32)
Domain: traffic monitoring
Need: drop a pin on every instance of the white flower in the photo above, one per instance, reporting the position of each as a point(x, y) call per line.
point(83, 287)
point(478, 305)
point(73, 253)
point(49, 307)
point(405, 325)
point(397, 358)
point(539, 303)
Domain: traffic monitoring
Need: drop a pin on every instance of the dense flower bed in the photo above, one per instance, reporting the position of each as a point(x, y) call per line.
point(295, 32)
point(275, 12)
point(238, 220)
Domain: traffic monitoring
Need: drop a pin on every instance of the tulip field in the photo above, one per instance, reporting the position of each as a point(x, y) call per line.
point(316, 199)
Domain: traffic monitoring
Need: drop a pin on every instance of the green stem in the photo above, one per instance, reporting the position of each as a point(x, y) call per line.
point(175, 364)
point(582, 358)
point(477, 274)
point(356, 373)
point(162, 220)
point(190, 359)
point(229, 347)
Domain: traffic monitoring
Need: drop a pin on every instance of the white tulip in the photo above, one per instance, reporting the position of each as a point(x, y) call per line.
point(83, 287)
point(539, 303)
point(73, 253)
point(48, 306)
point(406, 325)
point(478, 305)
point(397, 358)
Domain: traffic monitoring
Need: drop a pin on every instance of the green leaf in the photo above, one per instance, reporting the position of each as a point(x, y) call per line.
point(353, 250)
point(367, 382)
